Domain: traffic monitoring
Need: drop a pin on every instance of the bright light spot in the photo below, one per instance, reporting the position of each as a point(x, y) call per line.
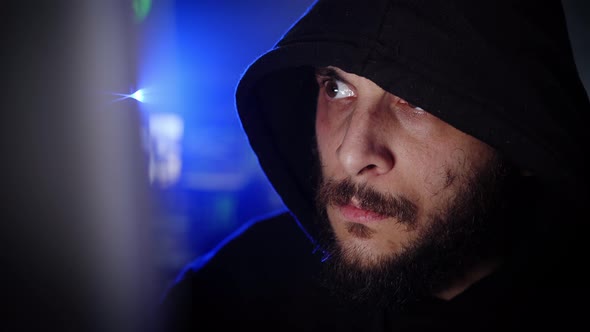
point(166, 126)
point(165, 131)
point(138, 95)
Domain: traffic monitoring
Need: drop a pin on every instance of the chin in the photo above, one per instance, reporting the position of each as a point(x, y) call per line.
point(360, 250)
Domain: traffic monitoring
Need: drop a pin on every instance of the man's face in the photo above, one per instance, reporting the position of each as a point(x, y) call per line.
point(399, 186)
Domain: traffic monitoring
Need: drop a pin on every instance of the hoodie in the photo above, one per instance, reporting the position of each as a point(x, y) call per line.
point(501, 71)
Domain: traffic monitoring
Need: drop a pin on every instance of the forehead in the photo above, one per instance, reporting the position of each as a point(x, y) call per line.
point(331, 71)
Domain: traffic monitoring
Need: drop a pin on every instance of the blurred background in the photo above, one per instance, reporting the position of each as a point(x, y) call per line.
point(191, 56)
point(123, 156)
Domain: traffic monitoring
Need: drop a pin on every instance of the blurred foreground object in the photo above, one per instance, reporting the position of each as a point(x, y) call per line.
point(77, 209)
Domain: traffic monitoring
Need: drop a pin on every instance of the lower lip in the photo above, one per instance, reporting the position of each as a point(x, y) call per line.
point(354, 214)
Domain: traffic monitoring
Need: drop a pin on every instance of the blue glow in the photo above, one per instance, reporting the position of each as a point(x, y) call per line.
point(139, 95)
point(168, 126)
point(192, 55)
point(197, 264)
point(165, 150)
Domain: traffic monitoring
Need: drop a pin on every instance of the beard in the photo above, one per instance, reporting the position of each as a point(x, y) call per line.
point(467, 230)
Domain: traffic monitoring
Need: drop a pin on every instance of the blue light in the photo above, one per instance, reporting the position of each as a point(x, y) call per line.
point(139, 95)
point(199, 155)
point(165, 150)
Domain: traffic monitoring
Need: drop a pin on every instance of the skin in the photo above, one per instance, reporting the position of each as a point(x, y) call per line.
point(379, 141)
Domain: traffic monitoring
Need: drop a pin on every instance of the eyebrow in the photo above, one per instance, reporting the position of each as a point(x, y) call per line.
point(330, 73)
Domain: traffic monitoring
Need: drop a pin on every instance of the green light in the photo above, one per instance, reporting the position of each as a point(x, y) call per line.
point(141, 9)
point(225, 208)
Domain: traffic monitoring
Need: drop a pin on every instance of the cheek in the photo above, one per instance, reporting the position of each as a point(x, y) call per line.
point(442, 171)
point(321, 123)
point(324, 133)
point(449, 168)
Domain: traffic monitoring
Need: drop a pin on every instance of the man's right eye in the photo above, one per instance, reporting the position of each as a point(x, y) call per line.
point(336, 89)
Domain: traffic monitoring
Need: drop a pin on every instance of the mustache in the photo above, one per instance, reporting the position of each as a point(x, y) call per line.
point(333, 192)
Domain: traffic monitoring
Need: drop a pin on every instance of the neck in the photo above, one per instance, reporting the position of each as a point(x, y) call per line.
point(471, 277)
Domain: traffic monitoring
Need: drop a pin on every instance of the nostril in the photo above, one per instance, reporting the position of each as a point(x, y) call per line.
point(368, 168)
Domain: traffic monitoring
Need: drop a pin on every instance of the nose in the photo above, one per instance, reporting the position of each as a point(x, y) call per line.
point(365, 149)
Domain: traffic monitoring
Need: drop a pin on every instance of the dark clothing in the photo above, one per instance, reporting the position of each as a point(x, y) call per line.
point(501, 71)
point(270, 283)
point(264, 282)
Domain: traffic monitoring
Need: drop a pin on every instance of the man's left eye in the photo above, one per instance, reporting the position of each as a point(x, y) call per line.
point(336, 89)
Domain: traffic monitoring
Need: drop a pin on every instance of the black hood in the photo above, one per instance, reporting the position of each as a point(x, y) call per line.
point(501, 71)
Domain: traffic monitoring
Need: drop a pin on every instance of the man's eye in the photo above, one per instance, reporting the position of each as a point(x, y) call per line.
point(336, 89)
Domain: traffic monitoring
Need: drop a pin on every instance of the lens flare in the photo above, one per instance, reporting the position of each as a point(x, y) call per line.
point(139, 95)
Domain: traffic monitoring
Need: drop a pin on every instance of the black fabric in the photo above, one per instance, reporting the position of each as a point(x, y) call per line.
point(502, 71)
point(266, 279)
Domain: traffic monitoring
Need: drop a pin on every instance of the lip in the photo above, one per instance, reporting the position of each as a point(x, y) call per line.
point(353, 213)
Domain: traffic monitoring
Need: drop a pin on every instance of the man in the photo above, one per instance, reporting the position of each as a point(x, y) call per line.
point(431, 156)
